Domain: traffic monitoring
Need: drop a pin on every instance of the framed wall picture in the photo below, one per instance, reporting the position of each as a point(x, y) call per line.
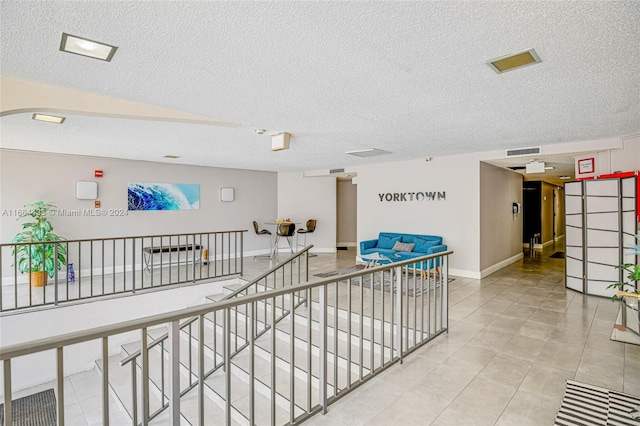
point(585, 166)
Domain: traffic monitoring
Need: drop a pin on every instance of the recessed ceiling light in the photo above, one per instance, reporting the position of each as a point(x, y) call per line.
point(549, 168)
point(48, 118)
point(371, 152)
point(515, 61)
point(261, 131)
point(85, 47)
point(171, 156)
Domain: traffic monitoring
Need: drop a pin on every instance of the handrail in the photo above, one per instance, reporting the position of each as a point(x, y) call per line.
point(411, 310)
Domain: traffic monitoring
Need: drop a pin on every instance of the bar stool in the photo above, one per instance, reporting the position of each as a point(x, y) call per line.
point(311, 227)
point(259, 231)
point(286, 230)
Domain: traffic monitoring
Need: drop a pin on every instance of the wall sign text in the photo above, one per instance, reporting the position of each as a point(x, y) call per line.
point(413, 196)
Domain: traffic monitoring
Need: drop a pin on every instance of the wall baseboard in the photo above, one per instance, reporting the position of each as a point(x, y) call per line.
point(351, 244)
point(464, 273)
point(493, 268)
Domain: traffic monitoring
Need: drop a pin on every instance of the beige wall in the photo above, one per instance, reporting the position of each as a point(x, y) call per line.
point(500, 228)
point(456, 219)
point(347, 214)
point(301, 198)
point(26, 177)
point(546, 212)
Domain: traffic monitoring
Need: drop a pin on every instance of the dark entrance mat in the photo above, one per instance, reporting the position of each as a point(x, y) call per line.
point(558, 255)
point(38, 409)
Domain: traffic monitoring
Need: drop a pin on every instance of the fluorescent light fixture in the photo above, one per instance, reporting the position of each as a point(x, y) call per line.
point(48, 118)
point(280, 141)
point(85, 47)
point(535, 167)
point(549, 168)
point(364, 153)
point(565, 177)
point(172, 157)
point(514, 61)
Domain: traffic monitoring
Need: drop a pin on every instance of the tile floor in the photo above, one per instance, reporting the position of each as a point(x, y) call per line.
point(514, 338)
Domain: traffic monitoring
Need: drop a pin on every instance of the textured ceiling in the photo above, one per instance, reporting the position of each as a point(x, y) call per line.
point(405, 77)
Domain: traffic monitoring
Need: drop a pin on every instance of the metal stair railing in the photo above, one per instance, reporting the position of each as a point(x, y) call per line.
point(268, 280)
point(356, 326)
point(90, 268)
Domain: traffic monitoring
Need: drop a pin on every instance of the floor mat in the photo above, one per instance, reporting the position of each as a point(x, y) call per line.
point(585, 404)
point(38, 409)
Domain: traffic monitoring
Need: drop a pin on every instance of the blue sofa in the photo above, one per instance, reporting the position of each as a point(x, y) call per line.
point(424, 245)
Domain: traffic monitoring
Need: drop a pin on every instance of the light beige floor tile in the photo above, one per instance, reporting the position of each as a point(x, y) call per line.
point(481, 403)
point(527, 409)
point(546, 381)
point(523, 347)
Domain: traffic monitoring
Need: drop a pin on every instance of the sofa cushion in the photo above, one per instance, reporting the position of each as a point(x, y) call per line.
point(385, 242)
point(423, 245)
point(408, 247)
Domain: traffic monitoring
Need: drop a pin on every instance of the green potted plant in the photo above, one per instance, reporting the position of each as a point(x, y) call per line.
point(38, 259)
point(628, 292)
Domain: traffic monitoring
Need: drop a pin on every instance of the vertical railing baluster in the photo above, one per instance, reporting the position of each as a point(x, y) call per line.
point(113, 265)
point(372, 324)
point(162, 387)
point(322, 347)
point(144, 377)
point(349, 331)
point(55, 274)
point(273, 360)
point(292, 350)
point(105, 381)
point(309, 350)
point(8, 410)
point(134, 392)
point(361, 326)
point(252, 355)
point(336, 326)
point(174, 371)
point(398, 331)
point(60, 385)
point(133, 262)
point(201, 369)
point(124, 267)
point(101, 267)
point(91, 266)
point(445, 297)
point(227, 365)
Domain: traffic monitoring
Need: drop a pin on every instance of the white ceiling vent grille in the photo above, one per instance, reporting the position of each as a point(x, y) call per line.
point(336, 171)
point(523, 152)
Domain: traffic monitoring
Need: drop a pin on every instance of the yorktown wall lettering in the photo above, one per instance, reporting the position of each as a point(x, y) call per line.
point(413, 196)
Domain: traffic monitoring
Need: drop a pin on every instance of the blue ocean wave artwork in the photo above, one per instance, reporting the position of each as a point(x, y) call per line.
point(163, 196)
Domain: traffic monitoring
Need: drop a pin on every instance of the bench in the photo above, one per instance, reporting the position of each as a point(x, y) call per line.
point(148, 252)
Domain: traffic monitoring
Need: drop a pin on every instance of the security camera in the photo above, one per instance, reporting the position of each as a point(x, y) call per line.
point(428, 159)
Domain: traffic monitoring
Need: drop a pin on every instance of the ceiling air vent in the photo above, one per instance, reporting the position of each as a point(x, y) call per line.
point(336, 171)
point(523, 152)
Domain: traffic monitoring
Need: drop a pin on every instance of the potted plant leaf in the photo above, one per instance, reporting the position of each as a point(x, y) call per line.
point(628, 292)
point(38, 258)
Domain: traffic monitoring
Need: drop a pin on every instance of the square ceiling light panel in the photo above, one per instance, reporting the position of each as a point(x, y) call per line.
point(515, 61)
point(85, 47)
point(48, 118)
point(364, 153)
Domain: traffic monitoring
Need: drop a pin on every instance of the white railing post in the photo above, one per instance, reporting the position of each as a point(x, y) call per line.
point(144, 377)
point(445, 292)
point(174, 372)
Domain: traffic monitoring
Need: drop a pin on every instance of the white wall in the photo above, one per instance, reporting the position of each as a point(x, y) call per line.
point(26, 177)
point(302, 198)
point(347, 214)
point(500, 228)
point(456, 219)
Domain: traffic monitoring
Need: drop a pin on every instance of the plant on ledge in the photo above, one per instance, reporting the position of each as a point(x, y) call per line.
point(38, 259)
point(633, 275)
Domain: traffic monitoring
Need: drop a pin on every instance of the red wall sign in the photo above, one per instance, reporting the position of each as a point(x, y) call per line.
point(98, 173)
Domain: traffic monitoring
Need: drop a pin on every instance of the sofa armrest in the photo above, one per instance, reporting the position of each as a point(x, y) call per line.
point(367, 244)
point(437, 249)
